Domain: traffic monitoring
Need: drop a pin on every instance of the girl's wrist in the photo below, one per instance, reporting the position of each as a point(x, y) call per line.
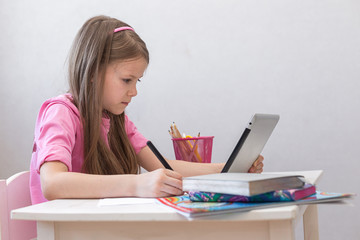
point(219, 167)
point(123, 185)
point(133, 185)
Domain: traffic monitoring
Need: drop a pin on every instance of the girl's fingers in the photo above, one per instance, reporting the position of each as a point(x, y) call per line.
point(170, 190)
point(259, 160)
point(173, 182)
point(254, 170)
point(259, 166)
point(173, 174)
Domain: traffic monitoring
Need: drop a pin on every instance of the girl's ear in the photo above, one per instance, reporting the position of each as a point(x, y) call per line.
point(92, 79)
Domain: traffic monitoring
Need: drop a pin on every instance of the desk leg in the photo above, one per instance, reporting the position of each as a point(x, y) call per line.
point(45, 231)
point(281, 230)
point(310, 221)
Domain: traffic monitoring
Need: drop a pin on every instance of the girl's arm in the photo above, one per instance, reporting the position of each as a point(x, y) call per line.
point(150, 162)
point(57, 182)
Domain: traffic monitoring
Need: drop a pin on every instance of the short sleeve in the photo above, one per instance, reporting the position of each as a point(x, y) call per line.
point(56, 135)
point(137, 140)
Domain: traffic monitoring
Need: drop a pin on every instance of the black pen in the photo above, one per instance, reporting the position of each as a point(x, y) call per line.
point(158, 155)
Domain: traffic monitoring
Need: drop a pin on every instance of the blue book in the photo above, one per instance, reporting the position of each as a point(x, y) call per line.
point(274, 196)
point(183, 204)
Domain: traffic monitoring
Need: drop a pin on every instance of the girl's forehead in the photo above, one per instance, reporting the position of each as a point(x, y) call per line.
point(129, 62)
point(130, 65)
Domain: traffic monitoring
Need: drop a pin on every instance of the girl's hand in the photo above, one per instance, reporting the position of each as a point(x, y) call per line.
point(257, 166)
point(159, 183)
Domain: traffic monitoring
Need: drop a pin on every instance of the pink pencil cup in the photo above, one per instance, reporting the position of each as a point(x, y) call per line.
point(197, 149)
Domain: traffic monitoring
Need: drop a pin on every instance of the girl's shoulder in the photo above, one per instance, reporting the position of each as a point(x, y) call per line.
point(58, 111)
point(128, 124)
point(130, 127)
point(60, 101)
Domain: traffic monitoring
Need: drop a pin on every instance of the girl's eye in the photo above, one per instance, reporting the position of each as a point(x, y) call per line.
point(128, 80)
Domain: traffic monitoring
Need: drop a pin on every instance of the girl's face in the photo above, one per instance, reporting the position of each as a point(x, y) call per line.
point(120, 84)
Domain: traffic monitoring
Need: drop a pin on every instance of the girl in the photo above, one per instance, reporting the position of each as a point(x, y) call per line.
point(85, 146)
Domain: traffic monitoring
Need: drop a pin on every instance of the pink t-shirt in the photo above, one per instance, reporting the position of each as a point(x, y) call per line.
point(59, 137)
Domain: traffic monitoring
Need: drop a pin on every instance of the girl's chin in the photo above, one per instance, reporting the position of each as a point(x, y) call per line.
point(116, 112)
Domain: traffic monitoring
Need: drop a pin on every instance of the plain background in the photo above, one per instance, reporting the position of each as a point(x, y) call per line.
point(213, 64)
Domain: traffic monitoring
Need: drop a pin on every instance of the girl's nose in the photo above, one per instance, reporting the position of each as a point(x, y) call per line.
point(133, 91)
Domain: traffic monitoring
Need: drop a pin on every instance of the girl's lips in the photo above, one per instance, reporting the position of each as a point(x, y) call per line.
point(125, 103)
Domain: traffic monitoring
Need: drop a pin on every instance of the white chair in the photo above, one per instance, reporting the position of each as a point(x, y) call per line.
point(15, 193)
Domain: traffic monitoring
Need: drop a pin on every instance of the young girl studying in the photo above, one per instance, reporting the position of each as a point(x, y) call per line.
point(85, 146)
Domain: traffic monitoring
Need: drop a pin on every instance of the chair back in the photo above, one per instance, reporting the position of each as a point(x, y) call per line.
point(15, 193)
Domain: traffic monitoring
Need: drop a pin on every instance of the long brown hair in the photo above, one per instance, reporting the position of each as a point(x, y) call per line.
point(95, 46)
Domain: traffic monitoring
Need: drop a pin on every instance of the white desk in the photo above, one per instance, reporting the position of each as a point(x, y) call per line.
point(83, 219)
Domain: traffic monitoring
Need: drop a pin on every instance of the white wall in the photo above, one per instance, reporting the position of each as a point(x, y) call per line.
point(213, 64)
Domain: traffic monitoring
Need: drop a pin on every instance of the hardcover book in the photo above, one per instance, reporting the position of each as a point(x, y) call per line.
point(246, 184)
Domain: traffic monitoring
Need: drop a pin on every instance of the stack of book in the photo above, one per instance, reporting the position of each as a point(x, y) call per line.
point(242, 184)
point(234, 192)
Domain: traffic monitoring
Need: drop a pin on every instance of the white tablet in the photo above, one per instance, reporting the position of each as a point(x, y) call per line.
point(251, 142)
